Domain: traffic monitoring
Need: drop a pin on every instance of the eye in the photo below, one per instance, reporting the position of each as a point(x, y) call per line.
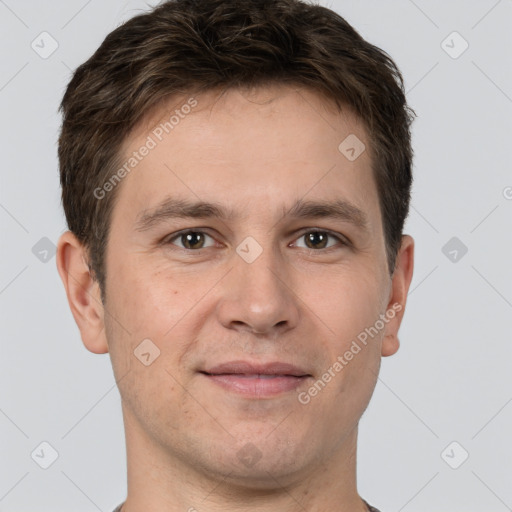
point(316, 239)
point(196, 240)
point(192, 240)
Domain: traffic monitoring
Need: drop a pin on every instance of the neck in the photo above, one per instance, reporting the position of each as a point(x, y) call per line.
point(161, 481)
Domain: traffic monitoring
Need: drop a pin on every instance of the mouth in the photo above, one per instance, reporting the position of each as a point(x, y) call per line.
point(255, 379)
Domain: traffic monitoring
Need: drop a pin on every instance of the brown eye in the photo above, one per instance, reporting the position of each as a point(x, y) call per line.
point(319, 240)
point(316, 240)
point(192, 240)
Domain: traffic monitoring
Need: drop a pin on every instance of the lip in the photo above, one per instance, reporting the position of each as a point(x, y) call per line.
point(257, 380)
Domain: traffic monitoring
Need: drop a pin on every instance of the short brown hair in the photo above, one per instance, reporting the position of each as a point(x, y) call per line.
point(189, 46)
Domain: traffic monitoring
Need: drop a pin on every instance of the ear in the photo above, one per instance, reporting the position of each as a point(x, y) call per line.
point(400, 283)
point(82, 291)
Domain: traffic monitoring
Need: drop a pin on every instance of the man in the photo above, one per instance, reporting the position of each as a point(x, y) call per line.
point(236, 177)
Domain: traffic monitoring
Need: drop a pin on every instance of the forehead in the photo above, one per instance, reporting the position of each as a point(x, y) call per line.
point(272, 117)
point(247, 147)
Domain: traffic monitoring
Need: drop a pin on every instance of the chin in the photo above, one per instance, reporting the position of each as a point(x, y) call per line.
point(261, 465)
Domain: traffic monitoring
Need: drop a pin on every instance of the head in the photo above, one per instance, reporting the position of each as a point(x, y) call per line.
point(236, 177)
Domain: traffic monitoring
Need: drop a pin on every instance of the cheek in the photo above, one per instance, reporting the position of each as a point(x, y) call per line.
point(149, 306)
point(346, 303)
point(350, 307)
point(150, 302)
point(165, 307)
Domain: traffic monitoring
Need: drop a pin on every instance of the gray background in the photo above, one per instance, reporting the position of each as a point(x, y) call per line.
point(451, 379)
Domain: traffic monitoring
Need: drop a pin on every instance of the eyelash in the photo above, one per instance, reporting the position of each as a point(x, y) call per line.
point(342, 242)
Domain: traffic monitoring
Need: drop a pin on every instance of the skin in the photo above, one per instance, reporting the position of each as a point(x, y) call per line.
point(257, 152)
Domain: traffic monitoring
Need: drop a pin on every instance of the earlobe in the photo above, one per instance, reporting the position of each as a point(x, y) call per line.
point(400, 283)
point(83, 292)
point(390, 345)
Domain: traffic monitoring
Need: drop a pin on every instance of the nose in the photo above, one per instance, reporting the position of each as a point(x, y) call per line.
point(258, 297)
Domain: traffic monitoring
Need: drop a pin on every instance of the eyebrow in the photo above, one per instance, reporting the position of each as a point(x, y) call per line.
point(172, 208)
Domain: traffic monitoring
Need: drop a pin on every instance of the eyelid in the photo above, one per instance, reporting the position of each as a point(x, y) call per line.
point(343, 241)
point(167, 240)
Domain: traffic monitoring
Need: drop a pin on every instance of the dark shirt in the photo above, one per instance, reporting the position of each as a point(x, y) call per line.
point(370, 508)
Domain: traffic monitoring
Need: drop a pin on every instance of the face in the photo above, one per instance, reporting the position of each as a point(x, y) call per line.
point(248, 252)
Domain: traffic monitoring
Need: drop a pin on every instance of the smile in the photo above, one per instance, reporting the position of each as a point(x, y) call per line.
point(255, 379)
